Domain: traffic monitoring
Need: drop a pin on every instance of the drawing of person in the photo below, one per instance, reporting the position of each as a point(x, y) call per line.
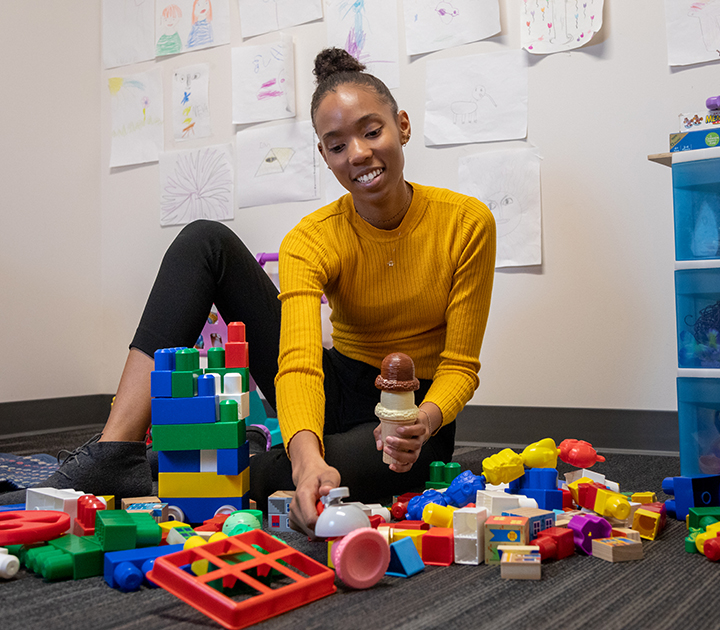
point(201, 32)
point(169, 42)
point(708, 12)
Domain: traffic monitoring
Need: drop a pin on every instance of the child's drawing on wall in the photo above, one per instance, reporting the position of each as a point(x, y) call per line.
point(201, 33)
point(169, 42)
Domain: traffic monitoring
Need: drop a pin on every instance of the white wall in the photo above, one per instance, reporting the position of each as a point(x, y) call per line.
point(593, 327)
point(50, 200)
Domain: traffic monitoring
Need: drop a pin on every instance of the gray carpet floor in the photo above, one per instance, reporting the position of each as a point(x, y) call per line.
point(668, 589)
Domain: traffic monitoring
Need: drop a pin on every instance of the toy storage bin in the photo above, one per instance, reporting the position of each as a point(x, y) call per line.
point(696, 202)
point(697, 302)
point(699, 416)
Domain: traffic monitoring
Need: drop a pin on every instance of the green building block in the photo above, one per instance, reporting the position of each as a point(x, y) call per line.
point(194, 437)
point(222, 371)
point(115, 530)
point(703, 516)
point(184, 384)
point(442, 474)
point(67, 557)
point(148, 533)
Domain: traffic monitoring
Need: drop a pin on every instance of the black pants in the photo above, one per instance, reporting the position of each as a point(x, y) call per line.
point(208, 264)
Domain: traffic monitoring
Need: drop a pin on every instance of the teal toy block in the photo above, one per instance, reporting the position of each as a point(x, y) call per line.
point(188, 437)
point(405, 561)
point(189, 410)
point(232, 461)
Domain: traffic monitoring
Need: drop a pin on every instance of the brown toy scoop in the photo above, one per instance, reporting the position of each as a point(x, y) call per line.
point(397, 374)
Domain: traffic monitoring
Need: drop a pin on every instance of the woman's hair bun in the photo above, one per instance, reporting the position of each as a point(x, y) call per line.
point(332, 60)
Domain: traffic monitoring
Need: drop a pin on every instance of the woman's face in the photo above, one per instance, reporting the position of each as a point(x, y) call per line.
point(361, 141)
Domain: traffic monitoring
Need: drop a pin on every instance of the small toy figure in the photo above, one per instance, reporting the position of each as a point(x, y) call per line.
point(579, 453)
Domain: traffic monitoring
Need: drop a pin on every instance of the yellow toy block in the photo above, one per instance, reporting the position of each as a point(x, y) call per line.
point(503, 467)
point(414, 534)
point(609, 503)
point(438, 515)
point(647, 523)
point(168, 525)
point(109, 501)
point(643, 497)
point(203, 485)
point(386, 531)
point(711, 531)
point(542, 454)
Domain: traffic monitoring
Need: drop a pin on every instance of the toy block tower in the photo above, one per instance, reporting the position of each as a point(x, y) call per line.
point(199, 428)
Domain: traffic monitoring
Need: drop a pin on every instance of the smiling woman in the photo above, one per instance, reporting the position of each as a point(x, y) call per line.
point(405, 268)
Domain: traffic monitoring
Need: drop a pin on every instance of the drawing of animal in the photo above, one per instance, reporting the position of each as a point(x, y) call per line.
point(466, 111)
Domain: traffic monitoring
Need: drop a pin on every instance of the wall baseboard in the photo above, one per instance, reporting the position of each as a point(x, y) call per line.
point(624, 429)
point(51, 414)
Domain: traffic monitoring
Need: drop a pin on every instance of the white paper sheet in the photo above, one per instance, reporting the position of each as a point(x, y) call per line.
point(128, 31)
point(476, 98)
point(263, 82)
point(368, 30)
point(550, 26)
point(136, 105)
point(508, 182)
point(185, 25)
point(277, 164)
point(196, 184)
point(437, 24)
point(332, 188)
point(263, 16)
point(191, 112)
point(693, 31)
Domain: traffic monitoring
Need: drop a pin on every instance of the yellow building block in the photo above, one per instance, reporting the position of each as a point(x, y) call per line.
point(203, 485)
point(711, 531)
point(503, 467)
point(438, 515)
point(643, 497)
point(109, 501)
point(414, 534)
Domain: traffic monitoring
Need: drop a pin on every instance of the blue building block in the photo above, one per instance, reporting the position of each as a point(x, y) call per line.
point(539, 484)
point(161, 377)
point(405, 560)
point(232, 461)
point(125, 570)
point(12, 508)
point(196, 410)
point(178, 461)
point(690, 492)
point(198, 510)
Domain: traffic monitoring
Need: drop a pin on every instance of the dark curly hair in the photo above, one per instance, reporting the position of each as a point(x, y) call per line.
point(335, 67)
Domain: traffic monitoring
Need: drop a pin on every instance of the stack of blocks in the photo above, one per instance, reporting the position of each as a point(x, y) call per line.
point(198, 419)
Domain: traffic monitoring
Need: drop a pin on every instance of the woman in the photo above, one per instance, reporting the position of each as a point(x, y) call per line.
point(405, 268)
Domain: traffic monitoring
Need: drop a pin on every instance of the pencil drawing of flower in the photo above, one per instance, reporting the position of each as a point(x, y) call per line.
point(200, 187)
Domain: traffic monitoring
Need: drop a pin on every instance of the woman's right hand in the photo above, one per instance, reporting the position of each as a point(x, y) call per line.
point(313, 478)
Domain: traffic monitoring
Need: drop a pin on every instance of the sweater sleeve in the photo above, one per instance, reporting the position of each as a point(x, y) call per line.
point(456, 377)
point(299, 381)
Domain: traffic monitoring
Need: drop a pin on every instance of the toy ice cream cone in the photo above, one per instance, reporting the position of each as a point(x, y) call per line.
point(397, 401)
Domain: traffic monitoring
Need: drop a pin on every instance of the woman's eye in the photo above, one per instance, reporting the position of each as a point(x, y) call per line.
point(336, 149)
point(374, 132)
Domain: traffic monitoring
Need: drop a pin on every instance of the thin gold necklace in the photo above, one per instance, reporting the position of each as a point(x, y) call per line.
point(406, 205)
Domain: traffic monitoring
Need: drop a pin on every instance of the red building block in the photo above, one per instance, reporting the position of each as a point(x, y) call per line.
point(555, 542)
point(438, 547)
point(87, 507)
point(236, 348)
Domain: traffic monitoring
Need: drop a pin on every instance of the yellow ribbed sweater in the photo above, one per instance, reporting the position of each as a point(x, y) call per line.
point(423, 289)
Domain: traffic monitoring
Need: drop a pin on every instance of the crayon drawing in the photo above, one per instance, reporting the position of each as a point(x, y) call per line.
point(128, 31)
point(550, 26)
point(185, 25)
point(191, 114)
point(693, 31)
point(436, 24)
point(262, 16)
point(508, 183)
point(476, 98)
point(368, 30)
point(196, 184)
point(277, 164)
point(136, 106)
point(263, 81)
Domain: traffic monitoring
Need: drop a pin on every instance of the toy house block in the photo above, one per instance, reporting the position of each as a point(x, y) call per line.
point(405, 561)
point(195, 410)
point(236, 348)
point(617, 549)
point(469, 534)
point(690, 492)
point(437, 547)
point(232, 461)
point(555, 543)
point(520, 563)
point(127, 502)
point(203, 485)
point(504, 530)
point(158, 510)
point(188, 437)
point(196, 509)
point(538, 519)
point(442, 474)
point(125, 570)
point(279, 502)
point(178, 461)
point(161, 376)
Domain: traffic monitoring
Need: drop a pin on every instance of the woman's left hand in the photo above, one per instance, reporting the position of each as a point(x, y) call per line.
point(404, 447)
